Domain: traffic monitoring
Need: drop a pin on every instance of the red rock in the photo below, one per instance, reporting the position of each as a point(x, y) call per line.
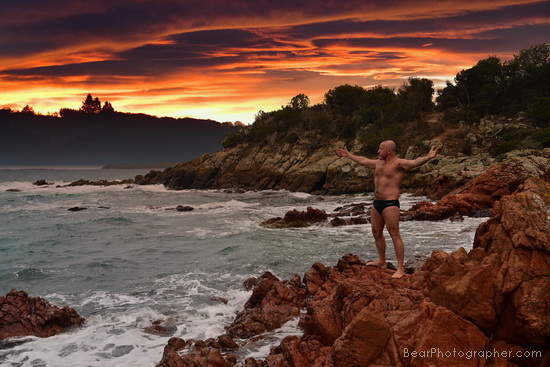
point(295, 218)
point(363, 340)
point(227, 342)
point(161, 327)
point(502, 285)
point(271, 305)
point(430, 335)
point(21, 315)
point(481, 193)
point(198, 357)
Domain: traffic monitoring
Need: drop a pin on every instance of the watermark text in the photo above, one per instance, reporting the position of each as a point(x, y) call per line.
point(471, 354)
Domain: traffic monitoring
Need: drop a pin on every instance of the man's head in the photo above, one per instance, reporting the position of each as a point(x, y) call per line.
point(386, 149)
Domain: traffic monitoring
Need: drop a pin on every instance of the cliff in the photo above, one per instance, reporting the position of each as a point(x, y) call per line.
point(483, 307)
point(311, 165)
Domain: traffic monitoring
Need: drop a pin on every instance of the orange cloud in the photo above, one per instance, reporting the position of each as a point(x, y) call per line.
point(226, 60)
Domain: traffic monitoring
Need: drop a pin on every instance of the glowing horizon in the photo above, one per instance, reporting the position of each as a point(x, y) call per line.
point(227, 61)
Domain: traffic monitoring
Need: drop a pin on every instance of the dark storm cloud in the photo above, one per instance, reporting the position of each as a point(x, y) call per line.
point(202, 49)
point(497, 40)
point(41, 26)
point(65, 23)
point(470, 20)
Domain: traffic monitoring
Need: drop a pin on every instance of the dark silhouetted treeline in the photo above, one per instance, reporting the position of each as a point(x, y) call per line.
point(85, 137)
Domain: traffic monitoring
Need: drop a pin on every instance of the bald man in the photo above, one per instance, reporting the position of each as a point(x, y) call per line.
point(389, 172)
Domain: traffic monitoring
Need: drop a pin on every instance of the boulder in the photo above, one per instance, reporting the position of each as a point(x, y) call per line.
point(272, 303)
point(21, 315)
point(77, 208)
point(296, 218)
point(199, 355)
point(82, 182)
point(42, 183)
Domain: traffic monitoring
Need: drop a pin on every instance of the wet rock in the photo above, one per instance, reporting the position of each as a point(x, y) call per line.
point(42, 183)
point(83, 182)
point(199, 356)
point(220, 299)
point(353, 209)
point(162, 327)
point(184, 208)
point(77, 209)
point(339, 221)
point(21, 315)
point(227, 342)
point(295, 218)
point(271, 304)
point(250, 283)
point(13, 190)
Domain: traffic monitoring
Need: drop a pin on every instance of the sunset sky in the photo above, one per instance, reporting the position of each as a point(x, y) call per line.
point(228, 59)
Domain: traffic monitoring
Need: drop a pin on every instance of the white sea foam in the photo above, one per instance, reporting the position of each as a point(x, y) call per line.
point(260, 349)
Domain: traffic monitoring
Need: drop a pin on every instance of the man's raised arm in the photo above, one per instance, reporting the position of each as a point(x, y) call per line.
point(413, 163)
point(343, 152)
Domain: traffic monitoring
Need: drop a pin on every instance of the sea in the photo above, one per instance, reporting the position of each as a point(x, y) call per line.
point(130, 259)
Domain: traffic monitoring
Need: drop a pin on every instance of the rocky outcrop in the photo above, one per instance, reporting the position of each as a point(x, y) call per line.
point(485, 307)
point(21, 315)
point(481, 193)
point(299, 167)
point(200, 353)
point(291, 167)
point(502, 284)
point(271, 305)
point(83, 182)
point(296, 218)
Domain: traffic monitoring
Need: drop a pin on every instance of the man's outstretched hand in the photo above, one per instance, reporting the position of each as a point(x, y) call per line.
point(343, 152)
point(433, 152)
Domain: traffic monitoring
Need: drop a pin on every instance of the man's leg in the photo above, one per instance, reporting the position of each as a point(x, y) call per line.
point(391, 218)
point(377, 225)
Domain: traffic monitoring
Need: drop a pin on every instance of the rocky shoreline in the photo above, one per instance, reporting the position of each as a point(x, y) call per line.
point(485, 307)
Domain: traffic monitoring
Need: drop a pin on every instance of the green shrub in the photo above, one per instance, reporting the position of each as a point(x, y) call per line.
point(232, 140)
point(540, 112)
point(542, 136)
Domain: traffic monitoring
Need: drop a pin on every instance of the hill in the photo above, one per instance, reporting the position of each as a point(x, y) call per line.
point(112, 138)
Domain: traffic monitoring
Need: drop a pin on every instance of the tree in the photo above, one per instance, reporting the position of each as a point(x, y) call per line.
point(482, 85)
point(107, 108)
point(419, 92)
point(346, 99)
point(28, 109)
point(91, 105)
point(528, 77)
point(299, 102)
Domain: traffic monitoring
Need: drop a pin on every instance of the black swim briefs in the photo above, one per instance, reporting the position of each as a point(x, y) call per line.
point(380, 205)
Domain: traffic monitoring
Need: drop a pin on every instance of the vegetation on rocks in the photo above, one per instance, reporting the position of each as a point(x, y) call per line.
point(514, 95)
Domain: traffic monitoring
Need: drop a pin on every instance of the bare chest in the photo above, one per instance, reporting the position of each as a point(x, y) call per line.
point(388, 170)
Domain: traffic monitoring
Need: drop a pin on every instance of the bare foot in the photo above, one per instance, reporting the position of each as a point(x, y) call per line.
point(378, 263)
point(398, 274)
